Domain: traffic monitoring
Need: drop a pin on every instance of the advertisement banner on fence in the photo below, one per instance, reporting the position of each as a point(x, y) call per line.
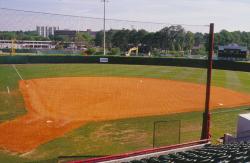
point(104, 60)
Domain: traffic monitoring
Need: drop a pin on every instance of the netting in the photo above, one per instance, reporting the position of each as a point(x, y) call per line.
point(102, 109)
point(28, 20)
point(167, 133)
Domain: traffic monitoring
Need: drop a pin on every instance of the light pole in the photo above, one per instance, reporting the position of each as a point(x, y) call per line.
point(104, 26)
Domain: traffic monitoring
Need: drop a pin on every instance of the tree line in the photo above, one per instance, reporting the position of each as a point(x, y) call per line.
point(22, 35)
point(172, 38)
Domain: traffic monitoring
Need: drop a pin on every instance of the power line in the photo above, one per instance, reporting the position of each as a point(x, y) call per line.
point(96, 18)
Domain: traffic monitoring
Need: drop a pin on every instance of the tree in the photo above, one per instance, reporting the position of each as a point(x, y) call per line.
point(139, 36)
point(90, 51)
point(225, 37)
point(82, 38)
point(99, 39)
point(189, 41)
point(178, 47)
point(170, 36)
point(132, 37)
point(121, 39)
point(60, 38)
point(198, 39)
point(148, 40)
point(115, 51)
point(109, 36)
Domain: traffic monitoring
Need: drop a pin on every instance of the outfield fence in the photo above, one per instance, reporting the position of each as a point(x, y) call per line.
point(180, 62)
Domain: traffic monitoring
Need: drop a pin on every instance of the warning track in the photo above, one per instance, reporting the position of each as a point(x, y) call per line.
point(58, 105)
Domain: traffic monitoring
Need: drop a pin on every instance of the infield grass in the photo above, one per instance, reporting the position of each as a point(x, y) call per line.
point(110, 137)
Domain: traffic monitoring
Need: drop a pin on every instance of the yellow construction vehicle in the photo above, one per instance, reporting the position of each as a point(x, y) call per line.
point(136, 49)
point(13, 47)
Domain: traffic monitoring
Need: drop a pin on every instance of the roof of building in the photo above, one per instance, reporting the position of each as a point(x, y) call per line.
point(197, 47)
point(233, 46)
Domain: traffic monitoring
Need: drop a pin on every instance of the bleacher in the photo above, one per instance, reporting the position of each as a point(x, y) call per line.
point(227, 153)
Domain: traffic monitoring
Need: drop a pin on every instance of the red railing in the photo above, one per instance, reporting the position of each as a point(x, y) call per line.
point(143, 152)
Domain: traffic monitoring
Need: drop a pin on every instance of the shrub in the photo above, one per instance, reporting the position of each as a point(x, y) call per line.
point(90, 51)
point(99, 53)
point(115, 51)
point(155, 52)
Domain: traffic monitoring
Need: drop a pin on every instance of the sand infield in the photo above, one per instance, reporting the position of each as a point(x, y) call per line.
point(58, 105)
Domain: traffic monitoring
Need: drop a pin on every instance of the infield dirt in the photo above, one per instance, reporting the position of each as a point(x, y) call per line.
point(58, 105)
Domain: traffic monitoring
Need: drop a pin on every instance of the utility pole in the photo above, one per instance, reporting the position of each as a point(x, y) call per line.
point(207, 115)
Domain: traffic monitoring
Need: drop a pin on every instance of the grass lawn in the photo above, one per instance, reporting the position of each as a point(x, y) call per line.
point(110, 137)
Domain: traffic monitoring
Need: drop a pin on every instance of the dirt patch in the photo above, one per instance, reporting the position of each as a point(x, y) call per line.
point(59, 105)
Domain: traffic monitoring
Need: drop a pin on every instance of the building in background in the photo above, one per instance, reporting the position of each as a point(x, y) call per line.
point(46, 31)
point(232, 52)
point(26, 44)
point(91, 33)
point(72, 33)
point(68, 33)
point(196, 50)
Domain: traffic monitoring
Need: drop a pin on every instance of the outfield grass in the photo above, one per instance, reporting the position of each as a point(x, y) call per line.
point(110, 137)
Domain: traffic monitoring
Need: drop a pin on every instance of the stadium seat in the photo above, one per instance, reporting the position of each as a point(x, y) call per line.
point(228, 153)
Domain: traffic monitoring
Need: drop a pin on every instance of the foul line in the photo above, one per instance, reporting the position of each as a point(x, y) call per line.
point(17, 72)
point(227, 111)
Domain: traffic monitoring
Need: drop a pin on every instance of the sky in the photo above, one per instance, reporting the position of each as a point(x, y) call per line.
point(226, 14)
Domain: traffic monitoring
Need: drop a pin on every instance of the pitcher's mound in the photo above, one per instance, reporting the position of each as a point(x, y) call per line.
point(58, 105)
